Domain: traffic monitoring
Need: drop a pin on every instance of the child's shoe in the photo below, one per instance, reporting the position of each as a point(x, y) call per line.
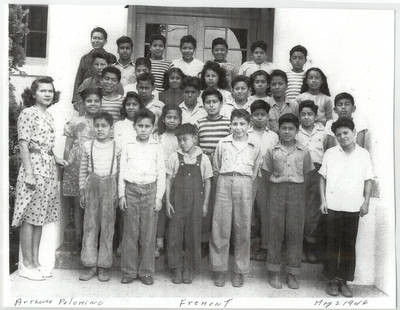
point(127, 279)
point(104, 274)
point(45, 271)
point(187, 276)
point(344, 289)
point(87, 274)
point(332, 288)
point(219, 279)
point(147, 280)
point(275, 280)
point(177, 276)
point(292, 281)
point(30, 273)
point(237, 280)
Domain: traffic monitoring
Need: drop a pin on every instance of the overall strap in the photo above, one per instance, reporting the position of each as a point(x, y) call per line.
point(180, 158)
point(113, 156)
point(91, 155)
point(198, 159)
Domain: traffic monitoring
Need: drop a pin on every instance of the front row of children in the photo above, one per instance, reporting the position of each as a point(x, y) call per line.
point(138, 175)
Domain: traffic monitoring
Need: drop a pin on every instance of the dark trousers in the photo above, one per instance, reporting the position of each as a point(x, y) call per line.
point(312, 211)
point(341, 231)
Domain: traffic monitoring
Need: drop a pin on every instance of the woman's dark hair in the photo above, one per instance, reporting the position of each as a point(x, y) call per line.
point(29, 93)
point(168, 73)
point(253, 77)
point(130, 94)
point(168, 107)
point(214, 66)
point(324, 85)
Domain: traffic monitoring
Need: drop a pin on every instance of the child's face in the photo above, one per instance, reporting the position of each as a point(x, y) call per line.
point(344, 107)
point(345, 136)
point(144, 128)
point(97, 40)
point(240, 91)
point(99, 64)
point(259, 118)
point(187, 51)
point(314, 80)
point(103, 129)
point(260, 85)
point(259, 55)
point(125, 51)
point(190, 95)
point(171, 119)
point(109, 82)
point(44, 94)
point(211, 78)
point(220, 52)
point(287, 132)
point(157, 49)
point(175, 80)
point(307, 117)
point(145, 90)
point(187, 142)
point(212, 105)
point(92, 104)
point(131, 107)
point(298, 61)
point(278, 87)
point(141, 69)
point(239, 127)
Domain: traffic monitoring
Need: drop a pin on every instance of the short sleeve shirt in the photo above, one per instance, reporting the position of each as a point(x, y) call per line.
point(276, 112)
point(314, 141)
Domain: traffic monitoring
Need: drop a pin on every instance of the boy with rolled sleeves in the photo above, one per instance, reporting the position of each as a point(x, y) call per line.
point(236, 163)
point(345, 188)
point(286, 165)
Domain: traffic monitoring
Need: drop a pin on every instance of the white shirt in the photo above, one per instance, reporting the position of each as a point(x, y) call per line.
point(124, 132)
point(192, 116)
point(345, 175)
point(192, 68)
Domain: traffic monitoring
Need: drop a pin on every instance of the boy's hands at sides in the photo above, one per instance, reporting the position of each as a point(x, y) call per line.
point(205, 207)
point(170, 209)
point(82, 198)
point(158, 205)
point(122, 203)
point(364, 209)
point(324, 207)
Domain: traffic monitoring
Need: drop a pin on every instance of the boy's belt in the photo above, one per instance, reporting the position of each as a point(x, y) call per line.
point(234, 174)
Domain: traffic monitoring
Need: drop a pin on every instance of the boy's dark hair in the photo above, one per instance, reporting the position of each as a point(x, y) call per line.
point(168, 73)
point(130, 94)
point(219, 41)
point(253, 77)
point(112, 69)
point(298, 48)
point(125, 39)
point(101, 30)
point(308, 104)
point(91, 91)
point(146, 76)
point(191, 81)
point(144, 113)
point(157, 36)
point(188, 39)
point(211, 91)
point(259, 43)
point(168, 107)
point(101, 55)
point(324, 85)
point(104, 115)
point(240, 78)
point(28, 94)
point(142, 61)
point(344, 95)
point(289, 118)
point(280, 73)
point(342, 122)
point(186, 129)
point(241, 113)
point(259, 104)
point(221, 72)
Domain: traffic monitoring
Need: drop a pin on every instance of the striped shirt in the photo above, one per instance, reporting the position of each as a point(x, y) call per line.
point(113, 106)
point(211, 131)
point(295, 81)
point(158, 68)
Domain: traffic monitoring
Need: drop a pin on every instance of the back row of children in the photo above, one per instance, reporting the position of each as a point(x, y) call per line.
point(221, 155)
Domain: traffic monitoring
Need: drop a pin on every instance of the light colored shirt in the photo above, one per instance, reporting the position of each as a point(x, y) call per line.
point(249, 67)
point(192, 116)
point(314, 141)
point(295, 81)
point(155, 106)
point(192, 68)
point(287, 166)
point(322, 101)
point(124, 132)
point(169, 143)
point(132, 87)
point(230, 106)
point(142, 163)
point(112, 104)
point(266, 139)
point(127, 72)
point(345, 175)
point(230, 157)
point(253, 98)
point(172, 166)
point(276, 112)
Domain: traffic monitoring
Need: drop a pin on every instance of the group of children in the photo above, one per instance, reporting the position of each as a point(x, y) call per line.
point(185, 149)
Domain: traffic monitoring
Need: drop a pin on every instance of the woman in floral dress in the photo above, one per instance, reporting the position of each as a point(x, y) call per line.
point(37, 195)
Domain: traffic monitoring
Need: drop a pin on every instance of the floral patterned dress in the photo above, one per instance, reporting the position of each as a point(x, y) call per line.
point(80, 129)
point(40, 205)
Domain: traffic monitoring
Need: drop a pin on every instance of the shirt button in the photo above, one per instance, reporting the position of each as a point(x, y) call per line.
point(188, 173)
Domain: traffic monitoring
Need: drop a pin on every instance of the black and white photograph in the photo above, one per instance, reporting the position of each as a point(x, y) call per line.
point(203, 155)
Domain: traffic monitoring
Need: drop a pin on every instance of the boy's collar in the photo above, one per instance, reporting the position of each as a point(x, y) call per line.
point(124, 66)
point(196, 152)
point(297, 145)
point(231, 140)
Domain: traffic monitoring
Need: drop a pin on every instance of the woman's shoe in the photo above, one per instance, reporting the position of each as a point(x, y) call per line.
point(46, 272)
point(30, 273)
